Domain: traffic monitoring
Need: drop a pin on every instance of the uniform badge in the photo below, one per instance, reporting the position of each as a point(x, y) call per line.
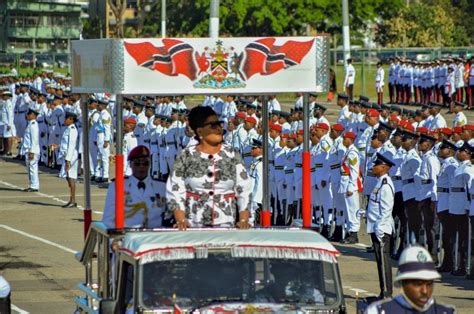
point(353, 162)
point(421, 257)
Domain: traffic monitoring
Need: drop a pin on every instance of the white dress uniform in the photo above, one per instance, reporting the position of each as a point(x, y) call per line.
point(450, 85)
point(289, 176)
point(458, 197)
point(380, 207)
point(9, 129)
point(129, 143)
point(369, 178)
point(173, 143)
point(299, 103)
point(408, 169)
point(30, 144)
point(144, 205)
point(274, 104)
point(437, 122)
point(379, 80)
point(350, 75)
point(324, 194)
point(344, 116)
point(93, 150)
point(279, 161)
point(139, 130)
point(103, 130)
point(446, 174)
point(427, 177)
point(460, 119)
point(256, 173)
point(350, 182)
point(247, 147)
point(68, 152)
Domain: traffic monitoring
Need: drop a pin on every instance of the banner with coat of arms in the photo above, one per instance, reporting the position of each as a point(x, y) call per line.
point(209, 66)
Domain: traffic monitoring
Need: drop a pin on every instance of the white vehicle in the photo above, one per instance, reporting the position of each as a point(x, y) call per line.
point(210, 271)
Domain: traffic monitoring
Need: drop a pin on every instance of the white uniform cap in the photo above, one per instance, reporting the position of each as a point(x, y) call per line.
point(416, 263)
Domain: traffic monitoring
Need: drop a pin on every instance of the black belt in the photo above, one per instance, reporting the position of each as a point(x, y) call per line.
point(153, 143)
point(170, 143)
point(396, 178)
point(408, 181)
point(426, 181)
point(247, 155)
point(289, 171)
point(457, 190)
point(318, 165)
point(335, 166)
point(21, 111)
point(163, 145)
point(313, 169)
point(442, 190)
point(298, 165)
point(279, 167)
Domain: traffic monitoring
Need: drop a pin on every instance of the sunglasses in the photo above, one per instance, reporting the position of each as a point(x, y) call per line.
point(214, 124)
point(138, 163)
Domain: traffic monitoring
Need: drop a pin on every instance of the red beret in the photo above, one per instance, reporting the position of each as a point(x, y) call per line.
point(446, 131)
point(403, 123)
point(251, 120)
point(241, 114)
point(431, 133)
point(457, 129)
point(292, 135)
point(394, 118)
point(469, 127)
point(300, 132)
point(351, 135)
point(130, 120)
point(338, 127)
point(422, 130)
point(276, 127)
point(285, 135)
point(231, 120)
point(409, 127)
point(372, 113)
point(139, 152)
point(323, 126)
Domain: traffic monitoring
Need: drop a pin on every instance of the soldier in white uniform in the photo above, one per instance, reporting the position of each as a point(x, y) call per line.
point(104, 137)
point(438, 120)
point(30, 148)
point(379, 82)
point(280, 156)
point(68, 156)
point(470, 82)
point(350, 186)
point(349, 79)
point(380, 223)
point(448, 167)
point(460, 118)
point(145, 198)
point(249, 127)
point(129, 143)
point(93, 118)
point(344, 114)
point(425, 184)
point(256, 173)
point(9, 130)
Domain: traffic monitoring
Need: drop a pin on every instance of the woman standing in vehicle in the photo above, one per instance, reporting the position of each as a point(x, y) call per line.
point(209, 185)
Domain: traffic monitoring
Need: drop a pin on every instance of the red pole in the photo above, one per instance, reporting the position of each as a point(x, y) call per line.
point(306, 210)
point(266, 218)
point(119, 193)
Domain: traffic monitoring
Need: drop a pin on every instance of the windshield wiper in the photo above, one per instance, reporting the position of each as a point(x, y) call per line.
point(210, 301)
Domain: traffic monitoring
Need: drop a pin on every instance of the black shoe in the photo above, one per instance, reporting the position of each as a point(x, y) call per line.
point(30, 190)
point(92, 178)
point(337, 235)
point(351, 239)
point(105, 180)
point(70, 205)
point(470, 277)
point(98, 180)
point(325, 231)
point(460, 272)
point(370, 249)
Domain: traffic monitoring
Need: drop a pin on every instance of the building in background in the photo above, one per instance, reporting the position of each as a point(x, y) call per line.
point(39, 26)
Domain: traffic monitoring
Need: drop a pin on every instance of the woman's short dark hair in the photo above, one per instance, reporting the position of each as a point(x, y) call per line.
point(198, 115)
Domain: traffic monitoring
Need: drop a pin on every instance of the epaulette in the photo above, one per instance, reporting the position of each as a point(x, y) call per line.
point(384, 181)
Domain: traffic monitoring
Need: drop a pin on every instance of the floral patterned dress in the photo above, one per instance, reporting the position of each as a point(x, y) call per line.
point(210, 189)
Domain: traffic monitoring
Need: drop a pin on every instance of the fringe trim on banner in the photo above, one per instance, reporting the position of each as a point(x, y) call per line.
point(284, 253)
point(173, 254)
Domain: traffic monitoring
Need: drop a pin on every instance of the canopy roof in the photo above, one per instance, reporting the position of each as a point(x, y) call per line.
point(255, 243)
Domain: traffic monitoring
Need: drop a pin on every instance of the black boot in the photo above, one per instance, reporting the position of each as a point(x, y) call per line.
point(325, 231)
point(353, 238)
point(337, 235)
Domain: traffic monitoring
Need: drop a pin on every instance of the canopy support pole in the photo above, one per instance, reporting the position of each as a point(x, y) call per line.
point(119, 179)
point(266, 213)
point(306, 208)
point(86, 164)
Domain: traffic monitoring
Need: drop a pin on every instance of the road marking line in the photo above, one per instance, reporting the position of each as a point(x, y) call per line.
point(54, 198)
point(18, 310)
point(363, 245)
point(59, 246)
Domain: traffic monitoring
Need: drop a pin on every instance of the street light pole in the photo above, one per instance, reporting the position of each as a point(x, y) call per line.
point(163, 18)
point(345, 30)
point(214, 19)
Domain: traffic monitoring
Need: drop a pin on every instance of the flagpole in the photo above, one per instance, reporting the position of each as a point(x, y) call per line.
point(163, 18)
point(214, 19)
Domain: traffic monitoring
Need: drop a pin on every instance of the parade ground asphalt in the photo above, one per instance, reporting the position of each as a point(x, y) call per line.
point(38, 240)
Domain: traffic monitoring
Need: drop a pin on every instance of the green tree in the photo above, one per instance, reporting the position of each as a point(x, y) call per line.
point(421, 25)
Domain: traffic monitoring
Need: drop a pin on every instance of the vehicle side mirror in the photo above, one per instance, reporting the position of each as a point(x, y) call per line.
point(107, 306)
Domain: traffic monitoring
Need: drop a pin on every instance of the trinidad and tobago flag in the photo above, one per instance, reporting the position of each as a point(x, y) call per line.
point(265, 58)
point(173, 58)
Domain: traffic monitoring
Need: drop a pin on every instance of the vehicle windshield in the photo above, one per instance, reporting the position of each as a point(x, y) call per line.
point(221, 278)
